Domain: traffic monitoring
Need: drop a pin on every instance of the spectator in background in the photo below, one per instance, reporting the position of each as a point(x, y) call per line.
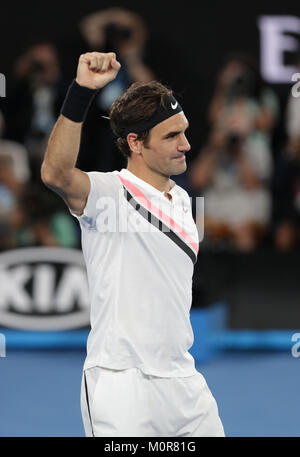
point(39, 220)
point(287, 197)
point(16, 153)
point(240, 89)
point(29, 215)
point(10, 191)
point(123, 32)
point(14, 174)
point(233, 169)
point(286, 183)
point(35, 100)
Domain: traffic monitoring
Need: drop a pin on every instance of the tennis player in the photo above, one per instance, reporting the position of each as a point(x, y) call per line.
point(140, 245)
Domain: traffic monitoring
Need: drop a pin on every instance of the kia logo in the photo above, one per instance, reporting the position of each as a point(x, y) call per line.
point(43, 289)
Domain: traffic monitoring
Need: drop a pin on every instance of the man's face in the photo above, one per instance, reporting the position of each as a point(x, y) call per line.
point(164, 152)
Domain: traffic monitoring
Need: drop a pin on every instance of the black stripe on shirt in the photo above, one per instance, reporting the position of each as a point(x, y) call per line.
point(88, 404)
point(152, 219)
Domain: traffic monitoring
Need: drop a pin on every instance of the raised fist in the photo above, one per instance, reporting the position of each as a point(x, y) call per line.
point(97, 69)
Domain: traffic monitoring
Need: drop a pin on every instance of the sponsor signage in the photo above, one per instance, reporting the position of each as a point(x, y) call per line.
point(43, 289)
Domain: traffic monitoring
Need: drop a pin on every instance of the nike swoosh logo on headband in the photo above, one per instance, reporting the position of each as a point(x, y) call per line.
point(174, 105)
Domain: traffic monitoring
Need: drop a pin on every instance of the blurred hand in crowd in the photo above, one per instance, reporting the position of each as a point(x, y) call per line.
point(39, 64)
point(114, 29)
point(121, 31)
point(233, 70)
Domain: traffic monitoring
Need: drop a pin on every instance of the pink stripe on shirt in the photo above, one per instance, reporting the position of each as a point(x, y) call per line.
point(158, 212)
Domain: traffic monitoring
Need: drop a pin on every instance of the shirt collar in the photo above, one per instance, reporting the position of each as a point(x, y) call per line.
point(132, 177)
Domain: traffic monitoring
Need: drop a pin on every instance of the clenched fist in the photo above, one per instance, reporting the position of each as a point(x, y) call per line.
point(96, 69)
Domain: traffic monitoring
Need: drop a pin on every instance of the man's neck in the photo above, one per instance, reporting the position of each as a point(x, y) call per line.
point(160, 182)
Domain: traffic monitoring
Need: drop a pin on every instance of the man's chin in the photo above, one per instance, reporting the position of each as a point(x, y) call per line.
point(179, 169)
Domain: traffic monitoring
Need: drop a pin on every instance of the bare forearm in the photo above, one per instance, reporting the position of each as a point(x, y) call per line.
point(62, 150)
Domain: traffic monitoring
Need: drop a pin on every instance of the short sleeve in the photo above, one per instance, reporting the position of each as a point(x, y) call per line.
point(104, 191)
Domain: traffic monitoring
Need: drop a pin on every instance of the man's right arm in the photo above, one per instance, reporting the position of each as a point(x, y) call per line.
point(58, 168)
point(58, 171)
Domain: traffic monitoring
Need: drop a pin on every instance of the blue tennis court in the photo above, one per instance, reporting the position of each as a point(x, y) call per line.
point(257, 392)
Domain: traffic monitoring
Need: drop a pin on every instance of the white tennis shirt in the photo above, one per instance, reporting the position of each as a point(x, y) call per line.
point(140, 249)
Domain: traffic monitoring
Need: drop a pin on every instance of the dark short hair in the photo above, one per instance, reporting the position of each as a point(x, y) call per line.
point(138, 103)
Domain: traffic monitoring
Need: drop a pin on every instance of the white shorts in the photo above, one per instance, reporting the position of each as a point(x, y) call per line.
point(129, 403)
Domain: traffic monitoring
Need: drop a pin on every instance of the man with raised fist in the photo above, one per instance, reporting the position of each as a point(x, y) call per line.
point(140, 244)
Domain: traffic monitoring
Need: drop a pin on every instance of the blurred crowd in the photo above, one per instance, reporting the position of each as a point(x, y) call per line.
point(251, 195)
